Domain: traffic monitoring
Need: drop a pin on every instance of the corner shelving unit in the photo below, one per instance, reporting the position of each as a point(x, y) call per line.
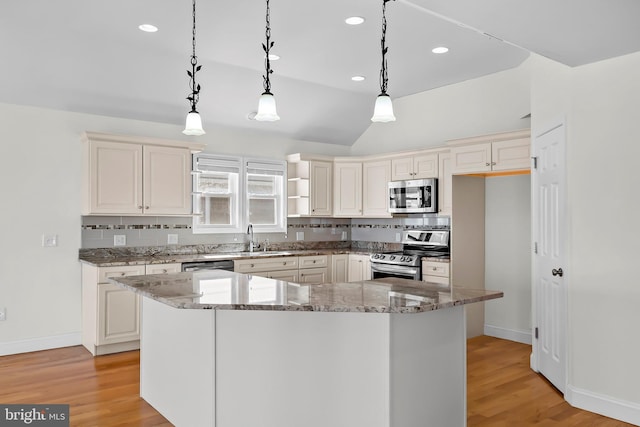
point(298, 188)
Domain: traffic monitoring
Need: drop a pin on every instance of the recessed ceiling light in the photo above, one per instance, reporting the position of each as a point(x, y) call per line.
point(273, 57)
point(440, 49)
point(148, 28)
point(354, 20)
point(357, 78)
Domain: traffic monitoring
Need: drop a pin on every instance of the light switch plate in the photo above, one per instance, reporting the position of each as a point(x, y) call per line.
point(3, 314)
point(119, 240)
point(172, 239)
point(49, 240)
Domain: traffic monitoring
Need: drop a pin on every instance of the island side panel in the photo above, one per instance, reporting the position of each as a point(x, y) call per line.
point(176, 363)
point(428, 369)
point(292, 369)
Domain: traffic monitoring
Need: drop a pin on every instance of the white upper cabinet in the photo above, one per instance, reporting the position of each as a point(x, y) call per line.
point(136, 176)
point(166, 180)
point(321, 189)
point(310, 186)
point(347, 189)
point(493, 153)
point(418, 166)
point(445, 184)
point(375, 192)
point(115, 178)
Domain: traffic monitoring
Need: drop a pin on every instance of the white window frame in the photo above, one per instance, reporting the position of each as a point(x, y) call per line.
point(275, 168)
point(204, 162)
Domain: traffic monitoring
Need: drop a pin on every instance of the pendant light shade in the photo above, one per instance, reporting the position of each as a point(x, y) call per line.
point(383, 110)
point(267, 108)
point(193, 125)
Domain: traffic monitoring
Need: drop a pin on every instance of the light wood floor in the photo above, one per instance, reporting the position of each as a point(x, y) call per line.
point(103, 391)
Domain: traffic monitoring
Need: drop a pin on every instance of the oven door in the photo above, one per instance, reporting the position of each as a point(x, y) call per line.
point(379, 271)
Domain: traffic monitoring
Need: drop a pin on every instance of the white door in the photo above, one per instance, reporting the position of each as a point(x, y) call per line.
point(549, 275)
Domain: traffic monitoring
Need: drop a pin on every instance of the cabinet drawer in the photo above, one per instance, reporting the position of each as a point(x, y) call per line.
point(105, 273)
point(432, 268)
point(435, 279)
point(256, 265)
point(163, 268)
point(286, 275)
point(315, 261)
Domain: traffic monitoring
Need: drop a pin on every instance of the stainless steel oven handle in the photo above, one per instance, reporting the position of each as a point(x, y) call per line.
point(390, 268)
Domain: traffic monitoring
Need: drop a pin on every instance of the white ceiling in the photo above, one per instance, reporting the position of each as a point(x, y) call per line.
point(88, 55)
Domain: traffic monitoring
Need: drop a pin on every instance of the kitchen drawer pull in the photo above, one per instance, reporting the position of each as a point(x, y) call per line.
point(487, 164)
point(252, 265)
point(123, 273)
point(284, 263)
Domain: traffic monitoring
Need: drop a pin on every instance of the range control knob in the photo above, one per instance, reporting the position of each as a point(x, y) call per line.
point(392, 257)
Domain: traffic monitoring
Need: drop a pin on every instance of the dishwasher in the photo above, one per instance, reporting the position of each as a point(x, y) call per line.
point(208, 265)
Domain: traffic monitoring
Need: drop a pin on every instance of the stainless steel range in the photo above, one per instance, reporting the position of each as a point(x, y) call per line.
point(408, 263)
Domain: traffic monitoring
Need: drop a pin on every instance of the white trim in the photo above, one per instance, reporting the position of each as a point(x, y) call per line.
point(523, 337)
point(604, 405)
point(38, 344)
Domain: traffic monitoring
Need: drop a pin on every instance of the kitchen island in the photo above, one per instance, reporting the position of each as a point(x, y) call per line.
point(232, 350)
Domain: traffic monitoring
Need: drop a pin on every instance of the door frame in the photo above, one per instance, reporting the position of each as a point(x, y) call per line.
point(534, 359)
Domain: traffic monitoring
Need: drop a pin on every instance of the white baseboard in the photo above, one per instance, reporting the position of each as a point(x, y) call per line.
point(604, 405)
point(38, 344)
point(508, 334)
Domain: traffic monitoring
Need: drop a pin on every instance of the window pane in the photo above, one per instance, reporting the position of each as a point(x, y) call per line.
point(262, 211)
point(218, 183)
point(216, 210)
point(261, 184)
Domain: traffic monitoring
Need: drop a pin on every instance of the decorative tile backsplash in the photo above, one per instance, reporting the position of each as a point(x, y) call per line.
point(99, 232)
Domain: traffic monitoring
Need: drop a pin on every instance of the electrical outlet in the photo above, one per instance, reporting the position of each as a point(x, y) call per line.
point(172, 239)
point(3, 314)
point(299, 235)
point(344, 235)
point(397, 237)
point(119, 240)
point(49, 240)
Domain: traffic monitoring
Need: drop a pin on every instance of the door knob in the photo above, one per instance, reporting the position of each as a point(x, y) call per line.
point(557, 272)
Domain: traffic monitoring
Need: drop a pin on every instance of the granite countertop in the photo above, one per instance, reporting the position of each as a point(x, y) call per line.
point(119, 260)
point(164, 258)
point(226, 290)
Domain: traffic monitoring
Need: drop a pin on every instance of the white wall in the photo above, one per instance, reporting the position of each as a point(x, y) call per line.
point(508, 256)
point(601, 103)
point(490, 104)
point(40, 187)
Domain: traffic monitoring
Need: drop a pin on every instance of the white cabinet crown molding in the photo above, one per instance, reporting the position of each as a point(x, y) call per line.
point(144, 140)
point(495, 137)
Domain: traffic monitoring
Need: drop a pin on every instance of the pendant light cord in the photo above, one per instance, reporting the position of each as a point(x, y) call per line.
point(194, 96)
point(266, 83)
point(384, 78)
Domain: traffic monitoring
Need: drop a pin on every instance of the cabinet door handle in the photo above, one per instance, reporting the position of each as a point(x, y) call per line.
point(435, 269)
point(493, 163)
point(284, 263)
point(122, 274)
point(164, 271)
point(146, 207)
point(314, 261)
point(557, 272)
point(139, 206)
point(487, 164)
point(252, 266)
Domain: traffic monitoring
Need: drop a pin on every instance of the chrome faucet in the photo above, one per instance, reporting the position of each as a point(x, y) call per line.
point(252, 245)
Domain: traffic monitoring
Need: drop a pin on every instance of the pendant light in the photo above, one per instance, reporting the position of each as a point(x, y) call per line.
point(267, 103)
point(193, 124)
point(383, 111)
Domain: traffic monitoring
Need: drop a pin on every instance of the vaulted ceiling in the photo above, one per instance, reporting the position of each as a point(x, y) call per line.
point(89, 56)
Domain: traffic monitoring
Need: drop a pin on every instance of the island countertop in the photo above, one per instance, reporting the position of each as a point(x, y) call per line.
point(225, 290)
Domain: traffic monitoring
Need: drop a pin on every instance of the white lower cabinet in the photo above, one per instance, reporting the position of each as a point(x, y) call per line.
point(111, 314)
point(339, 268)
point(435, 272)
point(359, 268)
point(314, 269)
point(263, 266)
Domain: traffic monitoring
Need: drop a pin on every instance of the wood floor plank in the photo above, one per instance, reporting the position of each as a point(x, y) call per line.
point(104, 391)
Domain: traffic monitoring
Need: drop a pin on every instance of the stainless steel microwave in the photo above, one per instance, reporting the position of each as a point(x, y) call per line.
point(413, 196)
